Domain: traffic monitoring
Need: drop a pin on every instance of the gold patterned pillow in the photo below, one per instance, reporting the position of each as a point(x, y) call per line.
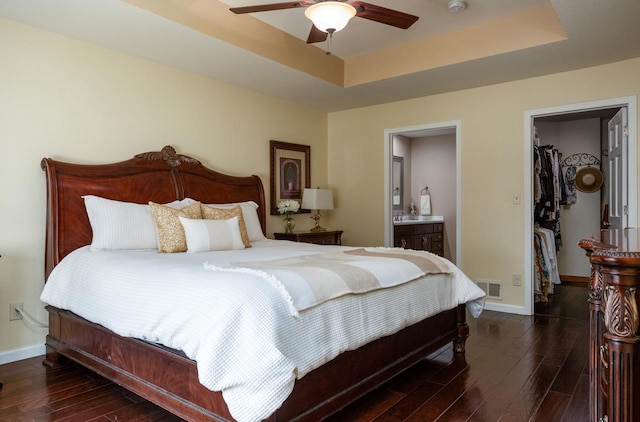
point(211, 213)
point(171, 236)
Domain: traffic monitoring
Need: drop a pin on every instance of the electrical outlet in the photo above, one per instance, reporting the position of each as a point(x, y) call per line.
point(13, 313)
point(516, 279)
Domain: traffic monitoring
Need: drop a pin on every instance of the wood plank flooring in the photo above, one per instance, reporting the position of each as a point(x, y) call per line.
point(516, 368)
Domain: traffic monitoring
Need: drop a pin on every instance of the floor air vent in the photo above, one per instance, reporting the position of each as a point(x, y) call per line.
point(493, 289)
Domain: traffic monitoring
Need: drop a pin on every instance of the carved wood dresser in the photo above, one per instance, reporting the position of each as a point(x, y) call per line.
point(614, 356)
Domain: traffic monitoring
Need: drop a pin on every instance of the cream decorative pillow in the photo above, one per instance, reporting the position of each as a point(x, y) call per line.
point(211, 213)
point(251, 220)
point(212, 235)
point(123, 225)
point(171, 236)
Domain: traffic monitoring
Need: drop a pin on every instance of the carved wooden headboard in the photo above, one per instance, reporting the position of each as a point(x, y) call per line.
point(161, 177)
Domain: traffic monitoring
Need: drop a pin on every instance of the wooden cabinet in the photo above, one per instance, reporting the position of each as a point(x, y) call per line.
point(329, 237)
point(424, 237)
point(614, 355)
point(403, 237)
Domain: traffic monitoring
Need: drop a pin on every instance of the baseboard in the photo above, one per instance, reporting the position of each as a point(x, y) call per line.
point(574, 279)
point(23, 353)
point(508, 309)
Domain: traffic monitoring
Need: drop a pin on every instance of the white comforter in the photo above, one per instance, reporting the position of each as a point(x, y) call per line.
point(238, 327)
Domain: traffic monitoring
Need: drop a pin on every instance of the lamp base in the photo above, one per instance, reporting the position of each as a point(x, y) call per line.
point(318, 228)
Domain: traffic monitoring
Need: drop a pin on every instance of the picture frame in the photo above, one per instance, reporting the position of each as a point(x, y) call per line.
point(290, 172)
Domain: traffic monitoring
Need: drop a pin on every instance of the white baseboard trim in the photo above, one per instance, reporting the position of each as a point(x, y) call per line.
point(23, 353)
point(500, 307)
point(40, 349)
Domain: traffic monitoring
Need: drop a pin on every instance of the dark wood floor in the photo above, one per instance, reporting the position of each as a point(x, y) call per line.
point(516, 368)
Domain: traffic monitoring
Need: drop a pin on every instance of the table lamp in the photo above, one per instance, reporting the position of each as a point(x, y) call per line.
point(317, 199)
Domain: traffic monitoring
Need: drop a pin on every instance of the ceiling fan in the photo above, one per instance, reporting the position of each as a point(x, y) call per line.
point(332, 16)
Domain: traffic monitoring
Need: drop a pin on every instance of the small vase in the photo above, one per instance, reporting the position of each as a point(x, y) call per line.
point(288, 224)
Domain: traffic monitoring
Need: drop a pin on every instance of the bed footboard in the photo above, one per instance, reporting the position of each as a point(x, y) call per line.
point(170, 380)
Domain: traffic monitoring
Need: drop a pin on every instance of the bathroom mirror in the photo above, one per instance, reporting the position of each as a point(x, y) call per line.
point(397, 178)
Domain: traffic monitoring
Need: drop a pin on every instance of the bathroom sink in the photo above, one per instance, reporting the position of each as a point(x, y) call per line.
point(423, 217)
point(417, 219)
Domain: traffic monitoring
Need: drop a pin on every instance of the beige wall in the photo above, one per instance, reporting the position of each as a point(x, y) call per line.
point(74, 101)
point(492, 129)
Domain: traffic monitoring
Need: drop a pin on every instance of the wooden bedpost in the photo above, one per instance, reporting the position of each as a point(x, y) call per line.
point(52, 358)
point(463, 330)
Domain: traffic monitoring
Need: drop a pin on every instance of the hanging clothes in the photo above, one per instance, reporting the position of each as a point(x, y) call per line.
point(570, 183)
point(549, 189)
point(547, 273)
point(541, 272)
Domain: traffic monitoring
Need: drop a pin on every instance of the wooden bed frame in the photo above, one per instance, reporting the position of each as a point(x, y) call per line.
point(166, 377)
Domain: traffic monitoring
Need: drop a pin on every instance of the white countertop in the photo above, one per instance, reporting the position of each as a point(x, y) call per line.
point(418, 219)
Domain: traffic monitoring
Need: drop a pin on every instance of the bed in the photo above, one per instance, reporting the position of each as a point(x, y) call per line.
point(167, 376)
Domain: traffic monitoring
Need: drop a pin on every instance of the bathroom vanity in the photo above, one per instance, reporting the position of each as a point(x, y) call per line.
point(425, 233)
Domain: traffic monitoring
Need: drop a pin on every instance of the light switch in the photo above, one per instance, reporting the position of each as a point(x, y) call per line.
point(516, 198)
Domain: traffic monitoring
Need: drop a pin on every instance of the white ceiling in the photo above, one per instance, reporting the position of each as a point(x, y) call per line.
point(598, 32)
point(363, 36)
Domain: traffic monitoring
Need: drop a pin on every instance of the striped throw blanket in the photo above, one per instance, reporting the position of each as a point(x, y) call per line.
point(309, 280)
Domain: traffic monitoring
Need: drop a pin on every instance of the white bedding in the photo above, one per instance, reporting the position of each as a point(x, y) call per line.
point(239, 328)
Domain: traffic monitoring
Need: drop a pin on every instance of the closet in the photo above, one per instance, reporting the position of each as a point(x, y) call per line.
point(562, 214)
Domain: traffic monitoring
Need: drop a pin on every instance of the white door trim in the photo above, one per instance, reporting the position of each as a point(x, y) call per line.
point(388, 160)
point(631, 103)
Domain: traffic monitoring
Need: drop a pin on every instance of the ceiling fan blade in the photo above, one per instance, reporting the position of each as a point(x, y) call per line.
point(268, 7)
point(383, 15)
point(316, 35)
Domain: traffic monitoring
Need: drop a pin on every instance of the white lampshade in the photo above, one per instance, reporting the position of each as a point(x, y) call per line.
point(317, 199)
point(330, 16)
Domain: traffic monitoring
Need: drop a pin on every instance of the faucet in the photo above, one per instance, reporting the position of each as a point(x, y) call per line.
point(399, 216)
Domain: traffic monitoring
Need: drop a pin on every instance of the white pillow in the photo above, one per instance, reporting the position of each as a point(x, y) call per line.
point(212, 235)
point(251, 220)
point(123, 225)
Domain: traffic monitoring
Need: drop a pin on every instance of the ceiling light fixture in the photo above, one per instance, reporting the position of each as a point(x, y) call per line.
point(456, 6)
point(330, 16)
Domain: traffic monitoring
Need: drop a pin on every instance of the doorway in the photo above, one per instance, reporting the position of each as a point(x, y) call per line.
point(420, 139)
point(597, 109)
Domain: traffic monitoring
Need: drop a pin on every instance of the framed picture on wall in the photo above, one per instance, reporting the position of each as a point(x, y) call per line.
point(290, 172)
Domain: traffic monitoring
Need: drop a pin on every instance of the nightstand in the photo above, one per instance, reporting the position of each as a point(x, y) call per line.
point(329, 237)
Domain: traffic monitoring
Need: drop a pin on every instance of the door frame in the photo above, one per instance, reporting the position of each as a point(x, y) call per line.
point(632, 174)
point(615, 172)
point(428, 129)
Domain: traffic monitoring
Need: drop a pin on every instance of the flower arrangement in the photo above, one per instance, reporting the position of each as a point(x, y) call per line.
point(288, 207)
